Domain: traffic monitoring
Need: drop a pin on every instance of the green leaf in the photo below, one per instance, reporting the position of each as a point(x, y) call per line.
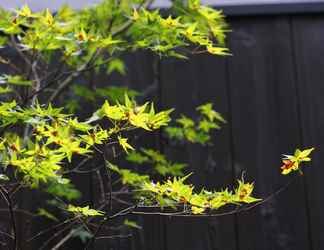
point(62, 187)
point(212, 115)
point(136, 157)
point(4, 177)
point(84, 211)
point(116, 94)
point(156, 156)
point(124, 144)
point(174, 169)
point(5, 90)
point(15, 80)
point(45, 213)
point(129, 177)
point(114, 112)
point(116, 65)
point(132, 224)
point(174, 133)
point(305, 153)
point(84, 92)
point(206, 125)
point(83, 234)
point(185, 121)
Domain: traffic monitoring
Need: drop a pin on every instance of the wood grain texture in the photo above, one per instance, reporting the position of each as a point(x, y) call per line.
point(265, 125)
point(185, 85)
point(308, 40)
point(271, 93)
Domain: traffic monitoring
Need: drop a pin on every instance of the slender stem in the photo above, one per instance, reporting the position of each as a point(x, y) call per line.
point(129, 23)
point(74, 75)
point(114, 237)
point(62, 241)
point(238, 210)
point(104, 221)
point(105, 156)
point(45, 244)
point(8, 200)
point(50, 229)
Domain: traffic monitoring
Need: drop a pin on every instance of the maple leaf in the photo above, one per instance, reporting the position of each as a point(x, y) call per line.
point(124, 144)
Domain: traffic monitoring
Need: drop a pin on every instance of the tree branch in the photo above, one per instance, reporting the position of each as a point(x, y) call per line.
point(129, 23)
point(8, 200)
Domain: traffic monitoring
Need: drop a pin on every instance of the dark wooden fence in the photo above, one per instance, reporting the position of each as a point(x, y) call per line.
point(271, 91)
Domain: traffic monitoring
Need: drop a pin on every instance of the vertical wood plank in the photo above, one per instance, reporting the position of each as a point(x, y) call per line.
point(139, 76)
point(185, 85)
point(308, 40)
point(265, 125)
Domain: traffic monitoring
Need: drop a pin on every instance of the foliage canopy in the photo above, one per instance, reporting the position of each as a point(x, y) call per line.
point(46, 140)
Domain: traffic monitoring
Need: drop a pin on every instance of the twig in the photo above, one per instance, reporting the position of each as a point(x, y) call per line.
point(235, 211)
point(15, 46)
point(25, 212)
point(62, 241)
point(71, 77)
point(50, 229)
point(8, 200)
point(101, 186)
point(66, 82)
point(105, 156)
point(129, 23)
point(54, 236)
point(6, 234)
point(36, 87)
point(114, 237)
point(104, 221)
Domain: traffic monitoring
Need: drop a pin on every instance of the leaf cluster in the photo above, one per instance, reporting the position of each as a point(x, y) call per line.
point(160, 164)
point(293, 162)
point(174, 192)
point(57, 137)
point(196, 131)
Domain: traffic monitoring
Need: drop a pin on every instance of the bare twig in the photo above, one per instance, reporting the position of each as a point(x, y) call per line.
point(21, 211)
point(63, 240)
point(45, 244)
point(8, 200)
point(105, 158)
point(114, 237)
point(14, 44)
point(74, 75)
point(50, 229)
point(101, 186)
point(104, 221)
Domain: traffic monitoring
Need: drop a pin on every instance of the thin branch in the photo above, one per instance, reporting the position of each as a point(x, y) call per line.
point(235, 211)
point(8, 200)
point(9, 63)
point(37, 85)
point(6, 234)
point(129, 23)
point(114, 237)
point(105, 156)
point(83, 162)
point(101, 186)
point(50, 229)
point(14, 44)
point(21, 211)
point(104, 221)
point(66, 82)
point(62, 241)
point(74, 75)
point(45, 244)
